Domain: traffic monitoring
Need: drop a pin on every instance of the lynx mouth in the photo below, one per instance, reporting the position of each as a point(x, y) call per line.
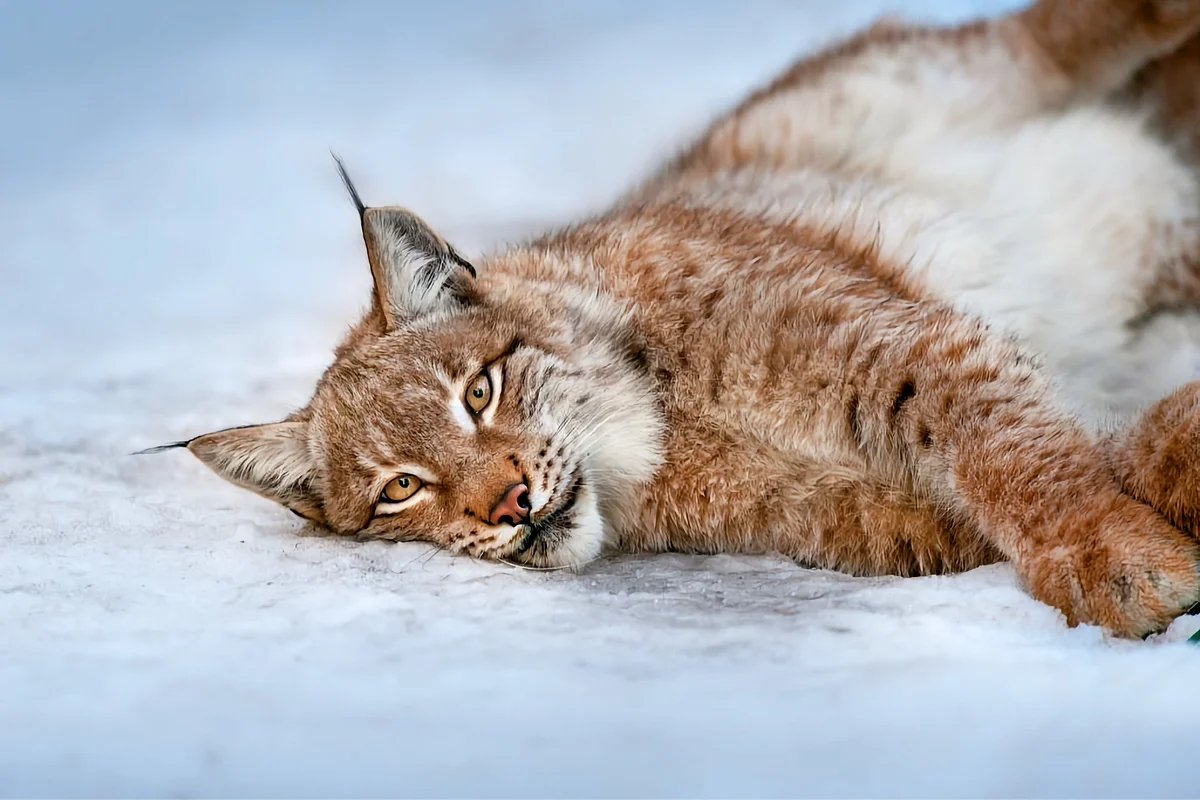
point(555, 526)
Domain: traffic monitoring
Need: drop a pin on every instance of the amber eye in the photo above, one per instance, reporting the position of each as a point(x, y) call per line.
point(400, 489)
point(479, 393)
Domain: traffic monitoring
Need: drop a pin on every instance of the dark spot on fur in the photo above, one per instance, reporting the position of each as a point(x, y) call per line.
point(542, 453)
point(633, 349)
point(1123, 586)
point(906, 563)
point(906, 393)
point(636, 356)
point(583, 400)
point(468, 512)
point(924, 436)
point(852, 417)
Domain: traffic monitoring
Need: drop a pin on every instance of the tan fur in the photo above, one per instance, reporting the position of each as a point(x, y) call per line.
point(751, 352)
point(1156, 462)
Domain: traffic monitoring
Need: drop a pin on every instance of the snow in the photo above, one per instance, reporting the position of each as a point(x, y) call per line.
point(176, 255)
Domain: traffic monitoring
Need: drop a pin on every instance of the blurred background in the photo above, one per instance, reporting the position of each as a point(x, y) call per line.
point(177, 255)
point(167, 190)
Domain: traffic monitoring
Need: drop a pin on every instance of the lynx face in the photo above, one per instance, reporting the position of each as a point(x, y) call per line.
point(484, 424)
point(467, 434)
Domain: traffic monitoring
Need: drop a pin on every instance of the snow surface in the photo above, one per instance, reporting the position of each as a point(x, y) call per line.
point(176, 255)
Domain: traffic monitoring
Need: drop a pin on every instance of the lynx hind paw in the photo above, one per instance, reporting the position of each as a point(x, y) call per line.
point(1157, 460)
point(1107, 36)
point(1166, 22)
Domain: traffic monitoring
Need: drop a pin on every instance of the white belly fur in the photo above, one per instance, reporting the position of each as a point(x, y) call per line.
point(1049, 231)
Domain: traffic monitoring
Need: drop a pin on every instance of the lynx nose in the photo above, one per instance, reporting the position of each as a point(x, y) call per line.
point(513, 506)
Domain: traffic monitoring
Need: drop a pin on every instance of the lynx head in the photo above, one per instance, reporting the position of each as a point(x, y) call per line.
point(487, 415)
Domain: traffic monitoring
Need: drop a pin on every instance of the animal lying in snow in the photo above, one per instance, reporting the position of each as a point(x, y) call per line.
point(876, 318)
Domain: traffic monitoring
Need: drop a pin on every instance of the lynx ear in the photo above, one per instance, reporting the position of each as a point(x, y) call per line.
point(415, 271)
point(272, 460)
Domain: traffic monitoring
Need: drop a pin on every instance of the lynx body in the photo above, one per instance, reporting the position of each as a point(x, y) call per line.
point(926, 302)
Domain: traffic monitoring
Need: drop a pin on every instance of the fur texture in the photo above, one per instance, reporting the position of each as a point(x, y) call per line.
point(880, 317)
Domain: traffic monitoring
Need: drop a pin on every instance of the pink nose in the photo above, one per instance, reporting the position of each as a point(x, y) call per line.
point(513, 506)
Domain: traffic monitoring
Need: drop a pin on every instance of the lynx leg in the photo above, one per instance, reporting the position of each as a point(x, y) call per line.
point(1170, 88)
point(1097, 45)
point(865, 527)
point(976, 419)
point(822, 514)
point(1157, 460)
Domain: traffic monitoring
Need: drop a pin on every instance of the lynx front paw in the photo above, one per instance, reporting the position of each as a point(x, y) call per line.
point(1133, 574)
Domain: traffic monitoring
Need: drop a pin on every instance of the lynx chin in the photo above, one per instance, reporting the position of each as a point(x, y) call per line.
point(927, 301)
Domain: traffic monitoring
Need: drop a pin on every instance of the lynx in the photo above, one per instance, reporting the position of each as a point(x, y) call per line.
point(927, 301)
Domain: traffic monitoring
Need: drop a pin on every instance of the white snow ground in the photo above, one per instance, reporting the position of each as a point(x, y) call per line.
point(176, 255)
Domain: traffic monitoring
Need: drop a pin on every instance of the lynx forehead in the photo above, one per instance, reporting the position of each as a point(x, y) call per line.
point(872, 319)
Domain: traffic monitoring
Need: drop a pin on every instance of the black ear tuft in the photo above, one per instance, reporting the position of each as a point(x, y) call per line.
point(462, 262)
point(349, 184)
point(415, 270)
point(160, 448)
point(272, 460)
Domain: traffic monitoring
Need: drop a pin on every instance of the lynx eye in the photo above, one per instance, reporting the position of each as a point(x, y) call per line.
point(401, 488)
point(479, 393)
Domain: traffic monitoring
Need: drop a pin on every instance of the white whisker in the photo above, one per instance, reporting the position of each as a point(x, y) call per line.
point(529, 568)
